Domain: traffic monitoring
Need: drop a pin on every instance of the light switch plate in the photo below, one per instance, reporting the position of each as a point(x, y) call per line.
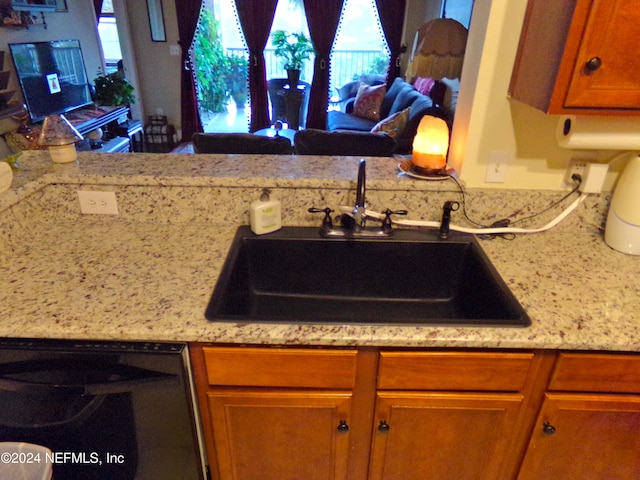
point(497, 167)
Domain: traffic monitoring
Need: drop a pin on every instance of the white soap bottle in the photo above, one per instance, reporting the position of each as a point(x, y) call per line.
point(265, 215)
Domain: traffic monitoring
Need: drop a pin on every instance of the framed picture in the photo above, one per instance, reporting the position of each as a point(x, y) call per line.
point(61, 6)
point(156, 21)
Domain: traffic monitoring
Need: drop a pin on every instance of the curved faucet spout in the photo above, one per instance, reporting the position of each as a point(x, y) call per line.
point(361, 186)
point(359, 207)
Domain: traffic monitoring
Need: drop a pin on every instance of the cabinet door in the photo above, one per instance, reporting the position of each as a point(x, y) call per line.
point(606, 72)
point(578, 57)
point(440, 436)
point(586, 437)
point(272, 435)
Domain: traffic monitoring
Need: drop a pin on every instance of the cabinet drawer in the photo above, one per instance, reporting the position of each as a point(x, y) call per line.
point(478, 371)
point(280, 367)
point(592, 372)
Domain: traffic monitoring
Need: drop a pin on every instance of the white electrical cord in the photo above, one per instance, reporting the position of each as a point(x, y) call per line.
point(479, 231)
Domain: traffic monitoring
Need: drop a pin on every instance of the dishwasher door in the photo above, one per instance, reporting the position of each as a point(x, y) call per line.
point(106, 410)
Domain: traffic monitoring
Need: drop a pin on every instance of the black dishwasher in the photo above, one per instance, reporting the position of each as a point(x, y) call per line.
point(106, 410)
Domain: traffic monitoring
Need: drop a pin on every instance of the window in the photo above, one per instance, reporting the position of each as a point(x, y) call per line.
point(290, 17)
point(360, 47)
point(459, 10)
point(108, 32)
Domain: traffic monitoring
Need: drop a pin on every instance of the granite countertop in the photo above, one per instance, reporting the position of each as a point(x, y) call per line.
point(119, 278)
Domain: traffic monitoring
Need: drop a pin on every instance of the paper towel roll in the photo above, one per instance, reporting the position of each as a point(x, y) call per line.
point(599, 133)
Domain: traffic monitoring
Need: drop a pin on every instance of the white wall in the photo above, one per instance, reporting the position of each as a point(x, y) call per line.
point(158, 70)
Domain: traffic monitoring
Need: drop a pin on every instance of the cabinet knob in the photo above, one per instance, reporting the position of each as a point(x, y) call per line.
point(548, 429)
point(383, 427)
point(593, 64)
point(343, 427)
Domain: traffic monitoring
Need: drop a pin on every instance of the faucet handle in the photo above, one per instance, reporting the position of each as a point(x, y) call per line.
point(386, 223)
point(448, 207)
point(327, 223)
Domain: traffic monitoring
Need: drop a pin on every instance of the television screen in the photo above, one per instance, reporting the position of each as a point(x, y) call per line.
point(52, 76)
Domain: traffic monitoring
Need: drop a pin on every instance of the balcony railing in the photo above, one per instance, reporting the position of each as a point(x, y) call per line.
point(346, 65)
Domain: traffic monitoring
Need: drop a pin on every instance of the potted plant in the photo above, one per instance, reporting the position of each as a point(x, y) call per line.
point(236, 79)
point(292, 49)
point(114, 90)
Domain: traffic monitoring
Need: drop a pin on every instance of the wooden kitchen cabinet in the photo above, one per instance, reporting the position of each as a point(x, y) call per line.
point(443, 436)
point(589, 423)
point(578, 57)
point(443, 415)
point(271, 435)
point(274, 413)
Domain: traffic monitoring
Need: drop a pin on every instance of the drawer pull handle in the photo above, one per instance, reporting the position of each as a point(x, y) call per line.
point(343, 427)
point(548, 429)
point(593, 64)
point(383, 427)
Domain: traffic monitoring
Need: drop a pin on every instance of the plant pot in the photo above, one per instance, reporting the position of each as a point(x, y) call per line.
point(293, 76)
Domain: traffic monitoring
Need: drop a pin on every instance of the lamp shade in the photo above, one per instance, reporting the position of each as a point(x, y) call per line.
point(59, 135)
point(438, 49)
point(57, 131)
point(431, 144)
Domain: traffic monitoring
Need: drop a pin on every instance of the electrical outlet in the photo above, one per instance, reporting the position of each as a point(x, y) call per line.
point(576, 166)
point(594, 177)
point(98, 202)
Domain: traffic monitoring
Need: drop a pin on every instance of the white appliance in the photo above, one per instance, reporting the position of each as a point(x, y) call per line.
point(622, 231)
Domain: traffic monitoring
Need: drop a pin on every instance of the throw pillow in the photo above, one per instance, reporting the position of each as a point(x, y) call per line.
point(424, 85)
point(393, 125)
point(368, 101)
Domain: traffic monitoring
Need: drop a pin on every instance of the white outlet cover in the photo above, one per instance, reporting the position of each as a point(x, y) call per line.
point(102, 203)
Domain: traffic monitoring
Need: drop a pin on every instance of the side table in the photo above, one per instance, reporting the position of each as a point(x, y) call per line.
point(132, 129)
point(294, 100)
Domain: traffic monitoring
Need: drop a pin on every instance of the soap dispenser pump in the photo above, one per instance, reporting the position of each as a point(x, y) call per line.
point(622, 231)
point(265, 214)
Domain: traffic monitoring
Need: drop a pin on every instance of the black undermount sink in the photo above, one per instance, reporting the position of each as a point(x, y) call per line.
point(295, 276)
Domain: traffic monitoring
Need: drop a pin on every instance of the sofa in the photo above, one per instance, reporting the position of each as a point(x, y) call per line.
point(237, 142)
point(400, 96)
point(343, 143)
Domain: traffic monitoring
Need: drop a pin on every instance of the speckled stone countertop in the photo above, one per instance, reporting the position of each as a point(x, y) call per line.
point(147, 273)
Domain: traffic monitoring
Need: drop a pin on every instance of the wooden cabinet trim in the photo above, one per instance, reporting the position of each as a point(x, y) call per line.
point(280, 367)
point(469, 371)
point(596, 372)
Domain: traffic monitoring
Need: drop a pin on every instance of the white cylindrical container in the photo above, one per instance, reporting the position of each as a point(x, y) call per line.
point(63, 153)
point(622, 231)
point(265, 215)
